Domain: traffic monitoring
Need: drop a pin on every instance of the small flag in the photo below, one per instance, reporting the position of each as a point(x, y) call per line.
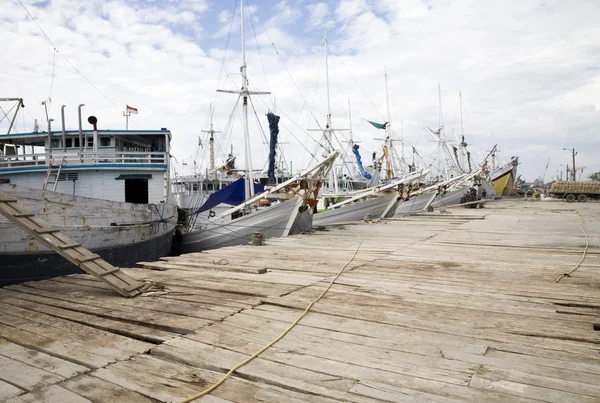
point(184, 163)
point(194, 162)
point(131, 110)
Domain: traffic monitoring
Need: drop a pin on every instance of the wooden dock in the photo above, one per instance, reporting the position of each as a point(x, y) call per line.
point(434, 308)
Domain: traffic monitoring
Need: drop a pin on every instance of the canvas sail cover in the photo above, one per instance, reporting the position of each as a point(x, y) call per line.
point(362, 170)
point(376, 125)
point(274, 129)
point(232, 194)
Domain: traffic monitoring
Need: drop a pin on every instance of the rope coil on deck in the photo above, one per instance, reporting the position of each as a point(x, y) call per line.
point(286, 331)
point(587, 245)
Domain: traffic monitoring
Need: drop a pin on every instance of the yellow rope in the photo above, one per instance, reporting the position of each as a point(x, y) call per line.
point(587, 245)
point(286, 331)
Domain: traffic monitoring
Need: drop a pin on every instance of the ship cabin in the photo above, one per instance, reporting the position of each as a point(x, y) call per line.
point(118, 165)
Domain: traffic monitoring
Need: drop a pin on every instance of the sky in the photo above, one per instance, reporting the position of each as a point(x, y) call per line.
point(528, 72)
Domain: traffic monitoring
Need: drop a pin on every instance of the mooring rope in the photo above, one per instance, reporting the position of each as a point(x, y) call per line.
point(587, 245)
point(286, 331)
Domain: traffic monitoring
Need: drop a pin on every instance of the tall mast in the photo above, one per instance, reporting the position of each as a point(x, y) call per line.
point(212, 132)
point(328, 131)
point(462, 133)
point(442, 144)
point(249, 182)
point(388, 127)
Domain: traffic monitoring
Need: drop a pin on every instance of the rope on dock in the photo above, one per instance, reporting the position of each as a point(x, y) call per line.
point(587, 245)
point(286, 331)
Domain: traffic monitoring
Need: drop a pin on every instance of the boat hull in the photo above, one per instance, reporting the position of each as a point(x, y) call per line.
point(278, 220)
point(357, 211)
point(122, 233)
point(21, 267)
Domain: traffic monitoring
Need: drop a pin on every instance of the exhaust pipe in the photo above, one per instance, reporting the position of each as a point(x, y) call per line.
point(62, 119)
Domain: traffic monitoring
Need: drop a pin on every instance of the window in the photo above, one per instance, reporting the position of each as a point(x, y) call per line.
point(55, 143)
point(195, 187)
point(76, 142)
point(209, 186)
point(68, 143)
point(104, 141)
point(90, 142)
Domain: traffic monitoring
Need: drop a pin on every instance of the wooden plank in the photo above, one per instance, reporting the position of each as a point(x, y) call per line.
point(40, 360)
point(25, 376)
point(99, 390)
point(7, 391)
point(50, 394)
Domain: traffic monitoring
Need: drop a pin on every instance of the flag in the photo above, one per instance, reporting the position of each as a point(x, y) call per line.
point(131, 110)
point(379, 125)
point(184, 163)
point(194, 162)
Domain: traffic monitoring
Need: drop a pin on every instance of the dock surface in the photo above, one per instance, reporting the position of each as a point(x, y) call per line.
point(434, 308)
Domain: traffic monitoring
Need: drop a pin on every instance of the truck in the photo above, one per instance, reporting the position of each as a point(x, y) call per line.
point(575, 191)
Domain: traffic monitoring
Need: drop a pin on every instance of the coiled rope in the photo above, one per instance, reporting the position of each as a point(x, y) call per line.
point(587, 245)
point(286, 331)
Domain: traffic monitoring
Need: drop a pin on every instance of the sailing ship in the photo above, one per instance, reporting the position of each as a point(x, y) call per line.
point(281, 210)
point(106, 189)
point(504, 176)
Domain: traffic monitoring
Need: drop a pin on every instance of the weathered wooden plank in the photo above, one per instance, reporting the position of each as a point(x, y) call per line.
point(25, 376)
point(50, 394)
point(7, 391)
point(99, 390)
point(40, 360)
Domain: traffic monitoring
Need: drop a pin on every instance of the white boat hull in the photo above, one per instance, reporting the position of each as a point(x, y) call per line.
point(375, 206)
point(122, 233)
point(280, 219)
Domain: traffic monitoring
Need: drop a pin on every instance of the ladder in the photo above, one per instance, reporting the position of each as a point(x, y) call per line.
point(53, 172)
point(51, 237)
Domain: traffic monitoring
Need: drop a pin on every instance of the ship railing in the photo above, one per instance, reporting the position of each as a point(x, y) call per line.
point(83, 158)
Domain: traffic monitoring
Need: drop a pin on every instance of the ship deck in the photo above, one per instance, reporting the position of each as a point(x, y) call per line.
point(434, 308)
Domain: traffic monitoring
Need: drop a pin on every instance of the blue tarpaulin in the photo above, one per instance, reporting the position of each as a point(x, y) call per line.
point(359, 162)
point(232, 194)
point(274, 129)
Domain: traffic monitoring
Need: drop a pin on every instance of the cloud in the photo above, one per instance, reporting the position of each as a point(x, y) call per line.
point(528, 71)
point(318, 16)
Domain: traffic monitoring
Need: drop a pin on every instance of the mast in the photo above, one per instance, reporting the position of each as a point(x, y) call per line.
point(249, 182)
point(328, 131)
point(211, 141)
point(442, 143)
point(388, 126)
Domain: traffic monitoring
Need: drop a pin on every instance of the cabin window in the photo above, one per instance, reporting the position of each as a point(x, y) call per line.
point(90, 142)
point(195, 187)
point(136, 190)
point(204, 186)
point(55, 143)
point(68, 143)
point(209, 186)
point(104, 141)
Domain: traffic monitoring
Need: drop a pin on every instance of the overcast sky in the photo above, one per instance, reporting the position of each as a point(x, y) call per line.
point(529, 71)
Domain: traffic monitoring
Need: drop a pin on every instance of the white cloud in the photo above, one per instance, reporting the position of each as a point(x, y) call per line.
point(318, 16)
point(529, 72)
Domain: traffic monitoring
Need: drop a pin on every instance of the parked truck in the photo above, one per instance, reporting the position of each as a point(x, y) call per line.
point(576, 191)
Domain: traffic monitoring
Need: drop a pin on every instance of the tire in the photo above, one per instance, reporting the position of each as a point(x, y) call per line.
point(582, 198)
point(570, 198)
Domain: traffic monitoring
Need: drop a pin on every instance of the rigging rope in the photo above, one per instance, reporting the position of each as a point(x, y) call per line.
point(286, 331)
point(587, 245)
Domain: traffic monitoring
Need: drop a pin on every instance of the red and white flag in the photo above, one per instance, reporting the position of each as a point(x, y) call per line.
point(131, 110)
point(184, 163)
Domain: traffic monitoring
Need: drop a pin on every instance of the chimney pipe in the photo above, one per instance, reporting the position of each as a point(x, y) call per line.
point(81, 146)
point(62, 119)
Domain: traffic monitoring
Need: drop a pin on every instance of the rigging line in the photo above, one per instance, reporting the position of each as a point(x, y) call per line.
point(357, 84)
point(218, 94)
point(294, 136)
point(257, 45)
point(318, 75)
point(64, 57)
point(53, 72)
point(286, 331)
point(281, 59)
